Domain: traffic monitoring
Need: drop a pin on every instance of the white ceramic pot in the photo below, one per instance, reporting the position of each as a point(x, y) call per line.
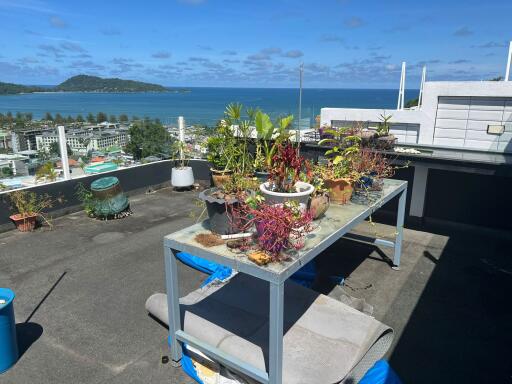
point(182, 177)
point(301, 196)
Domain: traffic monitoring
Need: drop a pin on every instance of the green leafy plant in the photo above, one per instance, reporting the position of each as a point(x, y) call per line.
point(384, 125)
point(85, 196)
point(341, 155)
point(46, 172)
point(238, 185)
point(180, 150)
point(269, 137)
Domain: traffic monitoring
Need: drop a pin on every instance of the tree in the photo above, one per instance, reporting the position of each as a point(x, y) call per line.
point(101, 117)
point(112, 119)
point(28, 116)
point(70, 119)
point(6, 171)
point(123, 118)
point(148, 138)
point(9, 119)
point(91, 119)
point(55, 149)
point(59, 119)
point(79, 119)
point(48, 117)
point(135, 118)
point(411, 103)
point(19, 121)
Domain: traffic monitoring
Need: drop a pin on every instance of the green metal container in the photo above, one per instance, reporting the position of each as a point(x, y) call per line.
point(109, 197)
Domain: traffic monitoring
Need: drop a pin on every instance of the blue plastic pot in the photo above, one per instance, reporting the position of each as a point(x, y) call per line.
point(8, 343)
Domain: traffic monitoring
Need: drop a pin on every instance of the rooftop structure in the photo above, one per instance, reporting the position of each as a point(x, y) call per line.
point(457, 114)
point(80, 297)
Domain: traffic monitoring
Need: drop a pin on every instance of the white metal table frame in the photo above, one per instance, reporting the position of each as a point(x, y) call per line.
point(275, 367)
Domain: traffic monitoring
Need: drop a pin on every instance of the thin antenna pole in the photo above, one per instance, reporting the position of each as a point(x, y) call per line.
point(423, 78)
point(507, 73)
point(181, 127)
point(403, 86)
point(399, 102)
point(64, 152)
point(297, 134)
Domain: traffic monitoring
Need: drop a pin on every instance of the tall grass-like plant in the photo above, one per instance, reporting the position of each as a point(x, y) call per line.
point(29, 203)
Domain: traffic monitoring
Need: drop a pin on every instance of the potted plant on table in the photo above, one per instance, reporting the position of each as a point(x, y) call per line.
point(268, 138)
point(338, 175)
point(29, 207)
point(284, 182)
point(371, 168)
point(385, 140)
point(227, 152)
point(320, 198)
point(279, 227)
point(221, 201)
point(182, 175)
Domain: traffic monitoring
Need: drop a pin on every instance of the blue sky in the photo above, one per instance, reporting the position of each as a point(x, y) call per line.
point(343, 43)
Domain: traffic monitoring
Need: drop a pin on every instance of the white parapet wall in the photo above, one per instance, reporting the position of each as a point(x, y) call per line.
point(453, 114)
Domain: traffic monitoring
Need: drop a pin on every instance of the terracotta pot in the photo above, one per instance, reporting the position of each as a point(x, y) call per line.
point(340, 190)
point(220, 177)
point(25, 223)
point(319, 204)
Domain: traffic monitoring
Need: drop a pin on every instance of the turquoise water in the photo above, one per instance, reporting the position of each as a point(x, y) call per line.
point(201, 105)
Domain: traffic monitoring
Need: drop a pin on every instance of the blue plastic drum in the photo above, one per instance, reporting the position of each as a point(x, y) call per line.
point(8, 343)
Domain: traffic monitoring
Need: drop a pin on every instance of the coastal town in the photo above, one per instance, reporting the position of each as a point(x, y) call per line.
point(30, 152)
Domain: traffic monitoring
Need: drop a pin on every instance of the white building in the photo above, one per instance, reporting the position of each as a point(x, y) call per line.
point(83, 141)
point(473, 115)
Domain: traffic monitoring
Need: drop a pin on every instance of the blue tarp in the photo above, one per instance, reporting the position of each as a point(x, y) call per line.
point(380, 373)
point(304, 276)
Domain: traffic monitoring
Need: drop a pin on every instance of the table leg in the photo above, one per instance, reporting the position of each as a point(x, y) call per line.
point(173, 304)
point(399, 229)
point(275, 372)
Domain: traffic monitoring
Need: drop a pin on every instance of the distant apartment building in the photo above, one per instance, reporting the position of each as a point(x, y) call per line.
point(87, 138)
point(25, 140)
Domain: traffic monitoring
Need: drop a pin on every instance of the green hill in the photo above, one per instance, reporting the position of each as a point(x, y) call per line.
point(85, 83)
point(12, 89)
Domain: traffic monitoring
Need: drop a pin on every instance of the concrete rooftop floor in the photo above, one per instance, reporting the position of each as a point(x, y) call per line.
point(81, 289)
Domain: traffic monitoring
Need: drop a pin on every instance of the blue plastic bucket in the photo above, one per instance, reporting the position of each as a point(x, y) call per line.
point(8, 343)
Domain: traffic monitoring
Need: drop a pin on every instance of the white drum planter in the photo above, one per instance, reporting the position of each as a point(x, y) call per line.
point(182, 177)
point(301, 196)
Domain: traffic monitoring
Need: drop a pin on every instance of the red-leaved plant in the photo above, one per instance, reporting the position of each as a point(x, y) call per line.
point(278, 227)
point(287, 166)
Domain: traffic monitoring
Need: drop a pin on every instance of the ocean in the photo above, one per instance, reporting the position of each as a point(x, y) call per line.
point(201, 105)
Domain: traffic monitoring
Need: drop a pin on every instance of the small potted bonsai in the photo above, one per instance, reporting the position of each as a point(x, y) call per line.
point(182, 175)
point(371, 168)
point(221, 201)
point(385, 140)
point(29, 207)
point(338, 175)
point(284, 182)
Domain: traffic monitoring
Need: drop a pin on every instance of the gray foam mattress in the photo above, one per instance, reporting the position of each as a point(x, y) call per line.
point(325, 341)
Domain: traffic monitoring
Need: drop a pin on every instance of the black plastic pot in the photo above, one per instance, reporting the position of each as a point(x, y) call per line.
point(218, 214)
